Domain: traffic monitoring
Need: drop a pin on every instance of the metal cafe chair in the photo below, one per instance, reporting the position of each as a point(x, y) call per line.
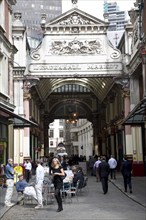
point(73, 191)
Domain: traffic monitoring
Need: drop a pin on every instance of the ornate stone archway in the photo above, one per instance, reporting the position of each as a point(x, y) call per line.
point(75, 50)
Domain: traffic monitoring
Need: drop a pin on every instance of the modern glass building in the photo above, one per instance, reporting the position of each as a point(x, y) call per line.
point(32, 11)
point(116, 18)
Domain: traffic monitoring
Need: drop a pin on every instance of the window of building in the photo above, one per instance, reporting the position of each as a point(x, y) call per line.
point(51, 143)
point(61, 133)
point(60, 122)
point(51, 133)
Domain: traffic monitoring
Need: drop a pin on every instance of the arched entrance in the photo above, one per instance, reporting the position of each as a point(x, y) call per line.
point(75, 65)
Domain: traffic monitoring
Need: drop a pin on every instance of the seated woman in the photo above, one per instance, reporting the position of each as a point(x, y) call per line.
point(23, 187)
point(78, 175)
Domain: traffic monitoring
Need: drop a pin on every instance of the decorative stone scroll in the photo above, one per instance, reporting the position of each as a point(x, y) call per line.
point(76, 19)
point(35, 55)
point(76, 47)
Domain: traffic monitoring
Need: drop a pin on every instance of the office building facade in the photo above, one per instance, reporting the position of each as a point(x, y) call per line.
point(116, 18)
point(32, 11)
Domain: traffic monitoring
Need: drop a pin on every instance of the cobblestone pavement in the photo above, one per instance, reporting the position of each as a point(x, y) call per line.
point(91, 205)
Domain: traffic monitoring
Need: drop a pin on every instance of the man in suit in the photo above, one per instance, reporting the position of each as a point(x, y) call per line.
point(78, 175)
point(126, 170)
point(104, 170)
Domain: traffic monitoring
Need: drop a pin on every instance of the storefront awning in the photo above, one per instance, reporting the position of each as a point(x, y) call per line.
point(137, 115)
point(15, 119)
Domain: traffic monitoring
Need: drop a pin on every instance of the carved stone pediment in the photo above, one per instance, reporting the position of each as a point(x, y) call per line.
point(76, 17)
point(76, 47)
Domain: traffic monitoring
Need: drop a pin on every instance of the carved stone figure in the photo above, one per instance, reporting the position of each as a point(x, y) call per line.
point(76, 19)
point(74, 1)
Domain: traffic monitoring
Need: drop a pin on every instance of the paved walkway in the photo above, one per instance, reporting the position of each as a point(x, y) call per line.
point(138, 195)
point(138, 187)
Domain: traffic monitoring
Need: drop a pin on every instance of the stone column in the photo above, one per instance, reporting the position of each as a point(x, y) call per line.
point(46, 136)
point(47, 121)
point(95, 122)
point(128, 144)
point(26, 98)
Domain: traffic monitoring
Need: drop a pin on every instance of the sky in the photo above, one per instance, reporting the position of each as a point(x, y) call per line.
point(95, 7)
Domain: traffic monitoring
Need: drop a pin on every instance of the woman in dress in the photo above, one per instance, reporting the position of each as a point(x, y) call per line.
point(57, 172)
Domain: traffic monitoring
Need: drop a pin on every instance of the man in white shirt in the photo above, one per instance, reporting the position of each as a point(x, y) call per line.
point(113, 164)
point(39, 184)
point(95, 167)
point(28, 168)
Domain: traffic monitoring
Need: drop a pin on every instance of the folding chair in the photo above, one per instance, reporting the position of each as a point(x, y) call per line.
point(27, 198)
point(73, 191)
point(48, 193)
point(85, 184)
point(66, 187)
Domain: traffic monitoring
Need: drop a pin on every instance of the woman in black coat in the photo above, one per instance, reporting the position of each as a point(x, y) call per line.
point(57, 171)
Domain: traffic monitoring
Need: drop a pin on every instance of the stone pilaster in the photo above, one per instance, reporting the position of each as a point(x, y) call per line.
point(95, 122)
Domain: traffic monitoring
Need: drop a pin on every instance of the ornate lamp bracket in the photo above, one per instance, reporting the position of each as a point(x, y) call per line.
point(124, 81)
point(29, 82)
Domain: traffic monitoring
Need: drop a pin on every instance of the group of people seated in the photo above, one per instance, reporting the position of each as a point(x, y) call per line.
point(28, 189)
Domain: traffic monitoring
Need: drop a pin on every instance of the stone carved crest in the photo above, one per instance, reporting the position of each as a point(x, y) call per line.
point(76, 19)
point(76, 47)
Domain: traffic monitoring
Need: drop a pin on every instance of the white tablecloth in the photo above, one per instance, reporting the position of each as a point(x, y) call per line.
point(69, 173)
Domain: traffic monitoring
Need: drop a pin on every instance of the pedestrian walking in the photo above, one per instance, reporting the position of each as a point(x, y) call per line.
point(28, 168)
point(113, 164)
point(57, 172)
point(9, 172)
point(126, 170)
point(95, 167)
point(91, 164)
point(103, 173)
point(39, 184)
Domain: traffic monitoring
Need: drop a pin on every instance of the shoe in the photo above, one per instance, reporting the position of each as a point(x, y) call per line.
point(130, 191)
point(59, 209)
point(9, 204)
point(38, 207)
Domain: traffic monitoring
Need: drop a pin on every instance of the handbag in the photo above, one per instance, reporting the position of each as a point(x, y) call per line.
point(63, 177)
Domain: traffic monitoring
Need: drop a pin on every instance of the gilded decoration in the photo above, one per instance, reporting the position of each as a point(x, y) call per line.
point(76, 47)
point(76, 19)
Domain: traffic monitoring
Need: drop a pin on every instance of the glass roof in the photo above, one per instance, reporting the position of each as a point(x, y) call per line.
point(137, 115)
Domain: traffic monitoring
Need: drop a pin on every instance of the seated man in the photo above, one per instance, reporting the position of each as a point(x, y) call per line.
point(78, 175)
point(23, 187)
